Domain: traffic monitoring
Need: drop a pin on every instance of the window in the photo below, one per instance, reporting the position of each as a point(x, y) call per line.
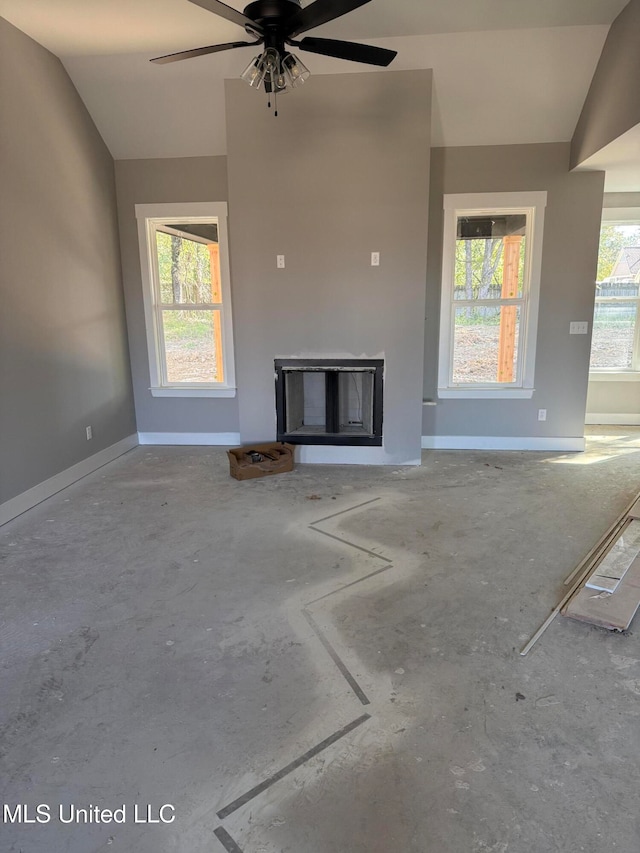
point(490, 288)
point(615, 344)
point(185, 273)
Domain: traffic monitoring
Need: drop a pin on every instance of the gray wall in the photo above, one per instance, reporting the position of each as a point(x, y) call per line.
point(570, 250)
point(343, 171)
point(63, 348)
point(182, 179)
point(612, 106)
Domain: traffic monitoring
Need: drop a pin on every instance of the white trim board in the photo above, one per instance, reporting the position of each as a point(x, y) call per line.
point(494, 442)
point(615, 376)
point(32, 497)
point(190, 438)
point(331, 454)
point(608, 419)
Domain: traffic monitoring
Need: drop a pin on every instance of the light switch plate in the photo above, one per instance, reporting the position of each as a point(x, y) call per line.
point(578, 328)
point(280, 262)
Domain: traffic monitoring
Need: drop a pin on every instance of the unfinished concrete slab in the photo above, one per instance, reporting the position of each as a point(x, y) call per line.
point(324, 661)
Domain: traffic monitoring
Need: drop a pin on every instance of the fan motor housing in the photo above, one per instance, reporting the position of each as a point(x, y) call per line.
point(265, 11)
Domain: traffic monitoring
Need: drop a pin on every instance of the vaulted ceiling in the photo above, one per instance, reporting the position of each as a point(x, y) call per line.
point(90, 27)
point(505, 71)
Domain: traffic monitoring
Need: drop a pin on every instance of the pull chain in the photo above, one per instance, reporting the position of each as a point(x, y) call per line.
point(275, 102)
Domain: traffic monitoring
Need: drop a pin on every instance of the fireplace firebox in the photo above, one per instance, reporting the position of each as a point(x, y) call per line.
point(329, 401)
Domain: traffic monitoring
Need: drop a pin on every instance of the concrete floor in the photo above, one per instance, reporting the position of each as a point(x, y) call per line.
point(173, 636)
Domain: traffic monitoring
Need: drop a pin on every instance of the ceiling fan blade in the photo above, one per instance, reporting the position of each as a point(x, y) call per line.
point(201, 51)
point(227, 12)
point(366, 53)
point(320, 12)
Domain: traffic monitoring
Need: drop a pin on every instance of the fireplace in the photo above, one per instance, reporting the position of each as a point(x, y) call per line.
point(329, 401)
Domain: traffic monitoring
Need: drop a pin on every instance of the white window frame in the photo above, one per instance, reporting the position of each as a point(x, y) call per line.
point(619, 374)
point(152, 217)
point(533, 205)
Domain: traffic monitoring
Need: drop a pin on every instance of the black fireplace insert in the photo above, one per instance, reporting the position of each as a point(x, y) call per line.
point(329, 401)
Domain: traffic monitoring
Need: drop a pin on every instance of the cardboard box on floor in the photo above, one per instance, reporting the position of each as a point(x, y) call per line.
point(276, 458)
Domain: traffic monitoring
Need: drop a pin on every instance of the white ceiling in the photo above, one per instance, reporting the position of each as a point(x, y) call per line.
point(489, 88)
point(505, 71)
point(81, 27)
point(621, 161)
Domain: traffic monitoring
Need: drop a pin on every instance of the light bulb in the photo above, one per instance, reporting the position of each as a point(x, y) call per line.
point(295, 71)
point(253, 74)
point(271, 60)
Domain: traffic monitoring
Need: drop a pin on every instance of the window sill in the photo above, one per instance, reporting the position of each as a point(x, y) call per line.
point(193, 392)
point(485, 393)
point(615, 376)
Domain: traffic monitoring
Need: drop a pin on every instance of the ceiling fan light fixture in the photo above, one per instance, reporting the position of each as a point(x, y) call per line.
point(295, 71)
point(253, 74)
point(276, 23)
point(270, 63)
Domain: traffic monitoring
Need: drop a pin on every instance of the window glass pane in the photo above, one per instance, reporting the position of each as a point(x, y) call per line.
point(619, 253)
point(490, 253)
point(485, 348)
point(613, 332)
point(188, 271)
point(193, 346)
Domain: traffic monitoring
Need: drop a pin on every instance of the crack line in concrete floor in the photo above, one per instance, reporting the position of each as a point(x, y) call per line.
point(298, 762)
point(342, 511)
point(347, 585)
point(353, 684)
point(226, 840)
point(221, 834)
point(351, 544)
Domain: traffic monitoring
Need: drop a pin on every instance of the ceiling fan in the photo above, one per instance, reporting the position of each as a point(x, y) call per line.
point(276, 23)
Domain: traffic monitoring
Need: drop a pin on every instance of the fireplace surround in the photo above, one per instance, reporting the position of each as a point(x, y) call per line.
point(329, 401)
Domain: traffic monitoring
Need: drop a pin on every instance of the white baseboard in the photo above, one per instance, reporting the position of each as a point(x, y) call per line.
point(607, 419)
point(493, 442)
point(32, 497)
point(190, 438)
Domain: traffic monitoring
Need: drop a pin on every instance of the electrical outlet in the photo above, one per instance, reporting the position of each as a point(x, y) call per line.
point(375, 259)
point(280, 262)
point(578, 328)
point(89, 433)
point(542, 414)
